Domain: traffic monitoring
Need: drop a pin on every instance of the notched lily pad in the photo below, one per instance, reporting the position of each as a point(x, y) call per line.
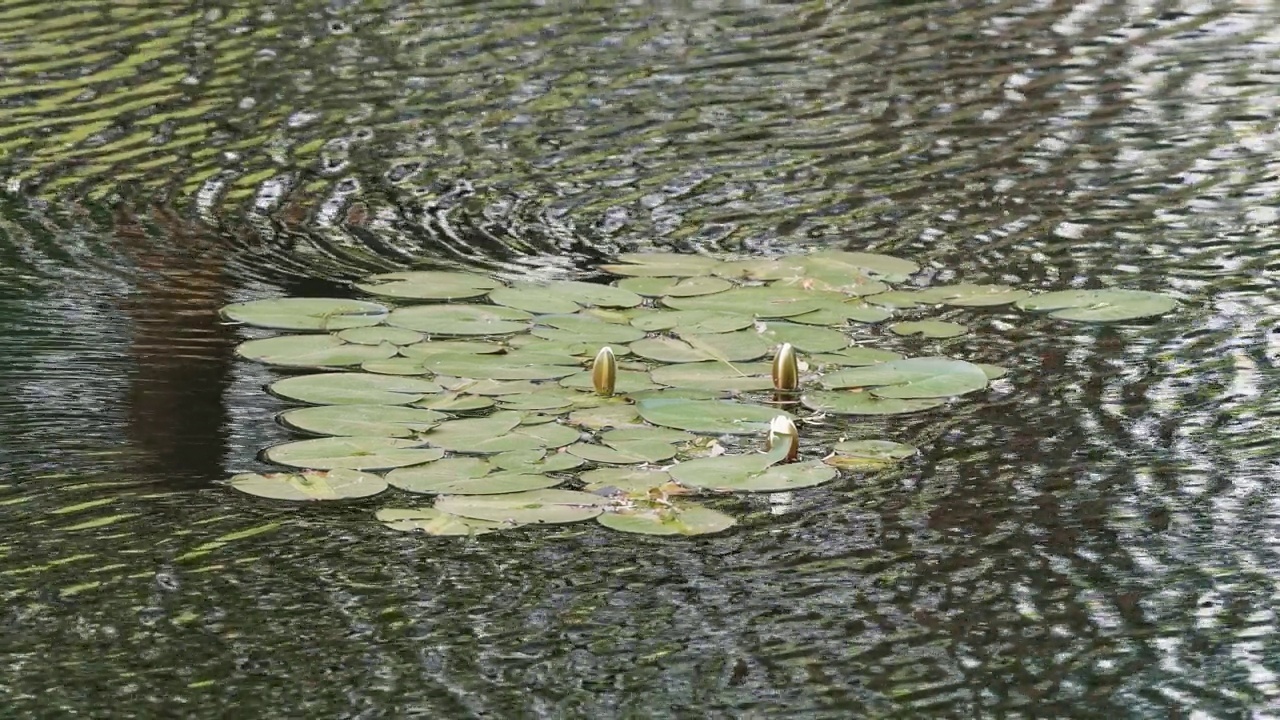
point(716, 376)
point(306, 313)
point(912, 378)
point(434, 522)
point(675, 287)
point(709, 416)
point(362, 420)
point(869, 454)
point(379, 334)
point(676, 519)
point(970, 295)
point(535, 506)
point(354, 388)
point(659, 264)
point(928, 328)
point(751, 473)
point(310, 485)
point(738, 346)
point(358, 453)
point(565, 296)
point(460, 320)
point(847, 402)
point(429, 285)
point(314, 351)
point(1099, 305)
point(626, 452)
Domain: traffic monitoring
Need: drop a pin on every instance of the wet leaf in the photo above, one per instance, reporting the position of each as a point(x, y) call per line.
point(912, 378)
point(429, 285)
point(869, 454)
point(362, 420)
point(845, 402)
point(430, 348)
point(675, 287)
point(633, 481)
point(883, 267)
point(536, 461)
point(358, 453)
point(306, 313)
point(632, 452)
point(855, 357)
point(455, 402)
point(994, 372)
point(702, 322)
point(565, 329)
point(535, 506)
point(658, 434)
point(805, 338)
point(658, 264)
point(434, 522)
point(716, 376)
point(626, 381)
point(708, 416)
point(928, 328)
point(499, 366)
point(758, 472)
point(841, 313)
point(379, 334)
point(762, 302)
point(501, 432)
point(566, 296)
point(1099, 305)
point(396, 366)
point(678, 519)
point(725, 347)
point(354, 388)
point(621, 415)
point(313, 351)
point(310, 485)
point(460, 320)
point(431, 480)
point(970, 295)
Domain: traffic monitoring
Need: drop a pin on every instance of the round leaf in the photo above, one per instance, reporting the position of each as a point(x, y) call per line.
point(362, 420)
point(856, 356)
point(460, 320)
point(536, 461)
point(662, 265)
point(426, 480)
point(359, 453)
point(354, 388)
point(750, 473)
point(1099, 305)
point(845, 402)
point(633, 481)
point(378, 334)
point(675, 287)
point(633, 452)
point(724, 347)
point(702, 322)
point(912, 378)
point(535, 506)
point(869, 454)
point(455, 402)
point(563, 297)
point(969, 295)
point(306, 313)
point(764, 302)
point(434, 522)
point(429, 285)
point(309, 485)
point(928, 328)
point(681, 519)
point(314, 351)
point(709, 416)
point(804, 338)
point(742, 377)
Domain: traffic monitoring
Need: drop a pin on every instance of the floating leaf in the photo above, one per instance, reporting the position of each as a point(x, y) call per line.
point(702, 322)
point(1099, 305)
point(362, 420)
point(681, 519)
point(718, 376)
point(969, 295)
point(432, 480)
point(805, 338)
point(310, 351)
point(751, 473)
point(432, 348)
point(656, 434)
point(626, 381)
point(565, 296)
point(856, 356)
point(339, 484)
point(841, 313)
point(675, 287)
point(621, 415)
point(844, 402)
point(993, 372)
point(434, 522)
point(633, 481)
point(455, 402)
point(928, 328)
point(429, 285)
point(662, 265)
point(396, 366)
point(354, 388)
point(912, 378)
point(498, 366)
point(708, 416)
point(633, 452)
point(379, 334)
point(869, 454)
point(884, 267)
point(535, 506)
point(359, 453)
point(305, 313)
point(565, 329)
point(492, 388)
point(763, 302)
point(460, 320)
point(501, 432)
point(536, 461)
point(725, 347)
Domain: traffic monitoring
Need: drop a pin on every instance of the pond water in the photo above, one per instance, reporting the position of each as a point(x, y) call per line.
point(1098, 539)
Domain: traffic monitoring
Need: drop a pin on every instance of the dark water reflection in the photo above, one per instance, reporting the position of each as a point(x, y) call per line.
point(1096, 538)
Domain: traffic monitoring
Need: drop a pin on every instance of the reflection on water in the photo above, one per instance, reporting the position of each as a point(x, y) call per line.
point(1098, 539)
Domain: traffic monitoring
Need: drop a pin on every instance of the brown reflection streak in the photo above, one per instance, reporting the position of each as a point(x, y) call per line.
point(180, 349)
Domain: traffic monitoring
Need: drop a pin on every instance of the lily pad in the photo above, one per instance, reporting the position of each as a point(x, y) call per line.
point(429, 285)
point(627, 381)
point(563, 297)
point(488, 387)
point(430, 348)
point(535, 506)
point(912, 378)
point(702, 322)
point(675, 287)
point(354, 388)
point(566, 329)
point(1099, 305)
point(396, 366)
point(619, 415)
point(884, 267)
point(460, 320)
point(310, 485)
point(433, 480)
point(763, 302)
point(501, 432)
point(725, 347)
point(855, 357)
point(631, 480)
point(662, 265)
point(658, 434)
point(306, 313)
point(678, 519)
point(632, 452)
point(970, 295)
point(845, 402)
point(709, 416)
point(379, 334)
point(805, 338)
point(362, 420)
point(836, 314)
point(718, 376)
point(928, 328)
point(314, 351)
point(498, 366)
point(897, 299)
point(358, 453)
point(536, 461)
point(434, 522)
point(758, 472)
point(455, 402)
point(994, 372)
point(869, 454)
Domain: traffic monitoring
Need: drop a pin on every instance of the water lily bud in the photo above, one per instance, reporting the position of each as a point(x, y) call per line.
point(604, 372)
point(781, 429)
point(786, 369)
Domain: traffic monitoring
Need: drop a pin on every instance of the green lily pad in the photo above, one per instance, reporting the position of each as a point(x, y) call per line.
point(759, 472)
point(310, 485)
point(884, 267)
point(805, 338)
point(357, 453)
point(1099, 305)
point(912, 378)
point(566, 329)
point(994, 372)
point(432, 480)
point(305, 313)
point(633, 452)
point(763, 302)
point(488, 387)
point(536, 461)
point(634, 481)
point(836, 314)
point(501, 432)
point(725, 347)
point(396, 366)
point(565, 296)
point(897, 299)
point(429, 285)
point(379, 334)
point(550, 398)
point(354, 388)
point(312, 351)
point(434, 522)
point(662, 265)
point(627, 381)
point(845, 402)
point(620, 415)
point(431, 348)
point(970, 295)
point(362, 420)
point(678, 519)
point(869, 454)
point(534, 506)
point(832, 277)
point(460, 320)
point(498, 366)
point(701, 322)
point(658, 434)
point(709, 416)
point(675, 287)
point(855, 356)
point(717, 376)
point(928, 328)
point(455, 402)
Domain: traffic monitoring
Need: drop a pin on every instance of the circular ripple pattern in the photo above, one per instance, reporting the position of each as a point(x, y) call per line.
point(1097, 537)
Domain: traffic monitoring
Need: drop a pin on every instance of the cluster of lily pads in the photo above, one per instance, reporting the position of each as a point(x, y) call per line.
point(523, 403)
